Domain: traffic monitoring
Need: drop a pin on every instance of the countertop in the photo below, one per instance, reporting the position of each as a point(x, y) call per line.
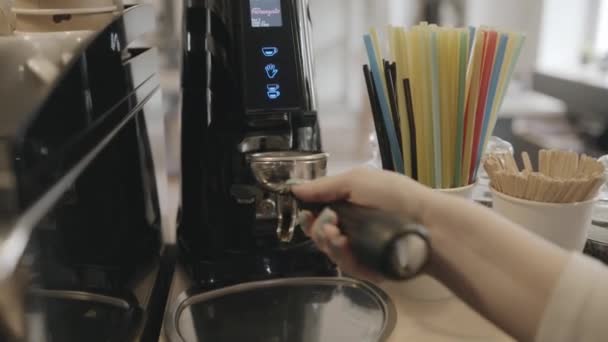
point(445, 320)
point(418, 320)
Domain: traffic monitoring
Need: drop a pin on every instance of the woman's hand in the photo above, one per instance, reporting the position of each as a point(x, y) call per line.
point(369, 188)
point(475, 253)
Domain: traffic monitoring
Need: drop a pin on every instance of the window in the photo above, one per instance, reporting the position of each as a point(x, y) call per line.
point(601, 38)
point(573, 32)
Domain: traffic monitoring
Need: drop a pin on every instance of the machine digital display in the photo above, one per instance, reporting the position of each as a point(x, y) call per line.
point(266, 13)
point(272, 72)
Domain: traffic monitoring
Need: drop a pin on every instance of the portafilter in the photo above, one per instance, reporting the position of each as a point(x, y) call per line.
point(382, 241)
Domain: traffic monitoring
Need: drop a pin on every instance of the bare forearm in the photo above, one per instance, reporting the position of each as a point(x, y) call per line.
point(498, 268)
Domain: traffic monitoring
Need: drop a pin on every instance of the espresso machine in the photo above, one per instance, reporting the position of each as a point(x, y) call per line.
point(250, 130)
point(81, 228)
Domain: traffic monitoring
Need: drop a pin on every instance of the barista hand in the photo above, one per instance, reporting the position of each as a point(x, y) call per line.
point(475, 252)
point(376, 189)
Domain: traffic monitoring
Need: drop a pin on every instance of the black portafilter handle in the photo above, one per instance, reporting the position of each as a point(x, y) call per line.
point(395, 248)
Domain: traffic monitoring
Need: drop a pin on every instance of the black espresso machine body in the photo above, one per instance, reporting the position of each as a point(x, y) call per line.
point(247, 88)
point(81, 230)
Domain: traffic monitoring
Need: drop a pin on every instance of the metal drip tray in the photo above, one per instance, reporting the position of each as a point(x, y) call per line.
point(286, 310)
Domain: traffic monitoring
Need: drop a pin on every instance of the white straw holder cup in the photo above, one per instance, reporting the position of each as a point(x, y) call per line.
point(424, 287)
point(564, 224)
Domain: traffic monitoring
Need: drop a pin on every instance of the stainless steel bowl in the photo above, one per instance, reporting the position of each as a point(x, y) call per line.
point(276, 171)
point(291, 309)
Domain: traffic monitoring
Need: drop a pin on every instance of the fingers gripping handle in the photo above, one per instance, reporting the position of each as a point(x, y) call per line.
point(379, 240)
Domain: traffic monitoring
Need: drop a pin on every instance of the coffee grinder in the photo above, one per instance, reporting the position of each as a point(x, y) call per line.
point(248, 89)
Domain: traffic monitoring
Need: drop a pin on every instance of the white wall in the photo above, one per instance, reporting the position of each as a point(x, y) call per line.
point(519, 15)
point(401, 12)
point(339, 26)
point(329, 31)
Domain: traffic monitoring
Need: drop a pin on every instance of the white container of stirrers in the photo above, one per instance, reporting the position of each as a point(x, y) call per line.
point(556, 202)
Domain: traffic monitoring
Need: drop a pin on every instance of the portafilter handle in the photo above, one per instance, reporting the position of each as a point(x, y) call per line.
point(285, 231)
point(396, 249)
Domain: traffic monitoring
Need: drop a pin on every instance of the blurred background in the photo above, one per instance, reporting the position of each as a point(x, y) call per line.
point(558, 100)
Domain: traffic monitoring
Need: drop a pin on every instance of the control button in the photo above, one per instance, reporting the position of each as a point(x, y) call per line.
point(270, 51)
point(273, 91)
point(271, 71)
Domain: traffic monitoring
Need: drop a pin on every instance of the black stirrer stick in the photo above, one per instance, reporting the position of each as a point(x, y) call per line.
point(383, 145)
point(393, 68)
point(392, 95)
point(409, 104)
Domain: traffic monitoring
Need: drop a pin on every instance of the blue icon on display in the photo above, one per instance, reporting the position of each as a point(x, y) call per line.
point(270, 51)
point(271, 71)
point(273, 91)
